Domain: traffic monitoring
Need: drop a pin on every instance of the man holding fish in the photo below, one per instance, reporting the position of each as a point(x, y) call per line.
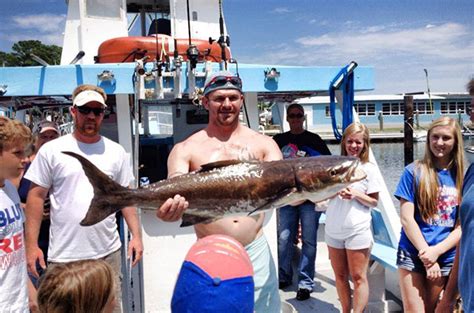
point(225, 138)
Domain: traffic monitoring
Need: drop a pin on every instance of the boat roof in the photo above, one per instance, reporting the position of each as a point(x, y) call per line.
point(387, 97)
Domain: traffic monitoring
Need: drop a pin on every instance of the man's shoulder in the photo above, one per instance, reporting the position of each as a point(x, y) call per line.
point(280, 135)
point(311, 134)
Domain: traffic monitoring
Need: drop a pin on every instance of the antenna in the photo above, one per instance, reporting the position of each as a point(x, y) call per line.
point(39, 60)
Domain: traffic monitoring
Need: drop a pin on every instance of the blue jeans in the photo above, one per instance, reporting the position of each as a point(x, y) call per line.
point(288, 220)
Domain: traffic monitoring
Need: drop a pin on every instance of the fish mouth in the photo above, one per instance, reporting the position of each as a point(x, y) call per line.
point(355, 173)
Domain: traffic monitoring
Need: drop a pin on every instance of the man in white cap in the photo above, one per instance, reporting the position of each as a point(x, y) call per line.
point(225, 138)
point(70, 192)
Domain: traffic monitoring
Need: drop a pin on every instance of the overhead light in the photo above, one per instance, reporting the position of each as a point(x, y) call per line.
point(3, 89)
point(271, 74)
point(106, 76)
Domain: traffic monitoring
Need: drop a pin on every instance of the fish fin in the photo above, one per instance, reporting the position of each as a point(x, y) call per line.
point(218, 164)
point(104, 189)
point(191, 219)
point(282, 199)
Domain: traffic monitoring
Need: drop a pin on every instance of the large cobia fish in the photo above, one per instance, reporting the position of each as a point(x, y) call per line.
point(227, 187)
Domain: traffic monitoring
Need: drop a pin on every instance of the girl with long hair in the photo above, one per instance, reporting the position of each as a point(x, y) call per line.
point(429, 192)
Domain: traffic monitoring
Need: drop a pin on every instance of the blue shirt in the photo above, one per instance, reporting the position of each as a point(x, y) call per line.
point(437, 228)
point(466, 260)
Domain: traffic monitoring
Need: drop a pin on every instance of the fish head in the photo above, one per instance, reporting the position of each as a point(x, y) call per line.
point(322, 177)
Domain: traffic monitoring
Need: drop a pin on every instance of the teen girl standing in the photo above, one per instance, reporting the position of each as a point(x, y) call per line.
point(429, 193)
point(348, 223)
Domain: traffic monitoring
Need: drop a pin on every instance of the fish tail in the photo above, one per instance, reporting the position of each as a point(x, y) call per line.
point(107, 193)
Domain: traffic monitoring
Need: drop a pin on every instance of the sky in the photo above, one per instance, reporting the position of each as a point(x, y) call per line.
point(398, 38)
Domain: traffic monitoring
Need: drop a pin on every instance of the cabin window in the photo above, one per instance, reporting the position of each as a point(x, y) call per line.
point(103, 9)
point(195, 15)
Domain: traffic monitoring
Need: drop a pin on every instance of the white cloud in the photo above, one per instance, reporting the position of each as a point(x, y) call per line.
point(42, 23)
point(397, 55)
point(281, 10)
point(445, 41)
point(47, 28)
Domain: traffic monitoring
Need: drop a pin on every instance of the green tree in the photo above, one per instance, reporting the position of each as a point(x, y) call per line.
point(21, 54)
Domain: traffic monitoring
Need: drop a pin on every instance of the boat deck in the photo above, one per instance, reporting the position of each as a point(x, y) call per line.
point(324, 297)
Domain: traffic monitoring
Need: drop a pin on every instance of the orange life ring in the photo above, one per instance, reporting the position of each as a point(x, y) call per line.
point(127, 49)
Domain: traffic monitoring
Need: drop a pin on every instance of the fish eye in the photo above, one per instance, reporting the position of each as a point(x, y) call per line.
point(332, 172)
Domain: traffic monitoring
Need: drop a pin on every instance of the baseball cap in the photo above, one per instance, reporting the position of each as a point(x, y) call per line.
point(87, 96)
point(46, 125)
point(222, 80)
point(216, 276)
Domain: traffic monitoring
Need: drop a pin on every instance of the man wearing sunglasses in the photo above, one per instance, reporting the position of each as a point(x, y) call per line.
point(298, 142)
point(70, 193)
point(224, 138)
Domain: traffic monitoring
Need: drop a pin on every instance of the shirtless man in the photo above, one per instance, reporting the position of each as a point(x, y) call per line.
point(225, 138)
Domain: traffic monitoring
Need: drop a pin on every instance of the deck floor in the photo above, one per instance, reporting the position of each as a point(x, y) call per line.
point(324, 296)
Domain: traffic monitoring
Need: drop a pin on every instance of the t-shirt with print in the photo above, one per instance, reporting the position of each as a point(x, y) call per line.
point(301, 145)
point(13, 276)
point(437, 228)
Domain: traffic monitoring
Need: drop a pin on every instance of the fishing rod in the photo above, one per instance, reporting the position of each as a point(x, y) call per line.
point(223, 40)
point(192, 52)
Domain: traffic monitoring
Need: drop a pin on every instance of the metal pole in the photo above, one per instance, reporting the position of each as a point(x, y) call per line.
point(429, 92)
point(408, 129)
point(381, 120)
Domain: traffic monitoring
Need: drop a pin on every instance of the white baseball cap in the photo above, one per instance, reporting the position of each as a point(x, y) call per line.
point(87, 96)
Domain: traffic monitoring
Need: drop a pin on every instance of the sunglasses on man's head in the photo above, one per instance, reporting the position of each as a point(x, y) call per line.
point(86, 110)
point(220, 81)
point(297, 115)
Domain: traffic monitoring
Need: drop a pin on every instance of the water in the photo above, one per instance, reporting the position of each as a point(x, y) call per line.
point(390, 159)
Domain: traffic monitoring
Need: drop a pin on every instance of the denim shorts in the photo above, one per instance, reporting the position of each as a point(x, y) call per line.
point(412, 263)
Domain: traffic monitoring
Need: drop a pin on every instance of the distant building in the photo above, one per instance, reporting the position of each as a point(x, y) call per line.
point(388, 107)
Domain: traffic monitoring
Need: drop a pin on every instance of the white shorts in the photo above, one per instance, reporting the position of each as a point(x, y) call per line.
point(359, 241)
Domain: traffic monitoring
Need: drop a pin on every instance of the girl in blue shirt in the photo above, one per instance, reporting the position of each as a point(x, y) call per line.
point(429, 192)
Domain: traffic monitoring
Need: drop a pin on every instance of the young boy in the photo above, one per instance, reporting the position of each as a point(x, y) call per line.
point(14, 137)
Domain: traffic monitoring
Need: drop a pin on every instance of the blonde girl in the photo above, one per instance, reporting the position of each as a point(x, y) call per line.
point(348, 223)
point(429, 193)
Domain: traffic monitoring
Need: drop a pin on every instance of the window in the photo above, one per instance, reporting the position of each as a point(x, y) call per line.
point(103, 9)
point(365, 109)
point(453, 107)
point(394, 108)
point(423, 107)
point(444, 107)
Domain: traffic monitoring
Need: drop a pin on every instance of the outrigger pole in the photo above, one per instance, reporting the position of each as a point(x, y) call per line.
point(223, 41)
